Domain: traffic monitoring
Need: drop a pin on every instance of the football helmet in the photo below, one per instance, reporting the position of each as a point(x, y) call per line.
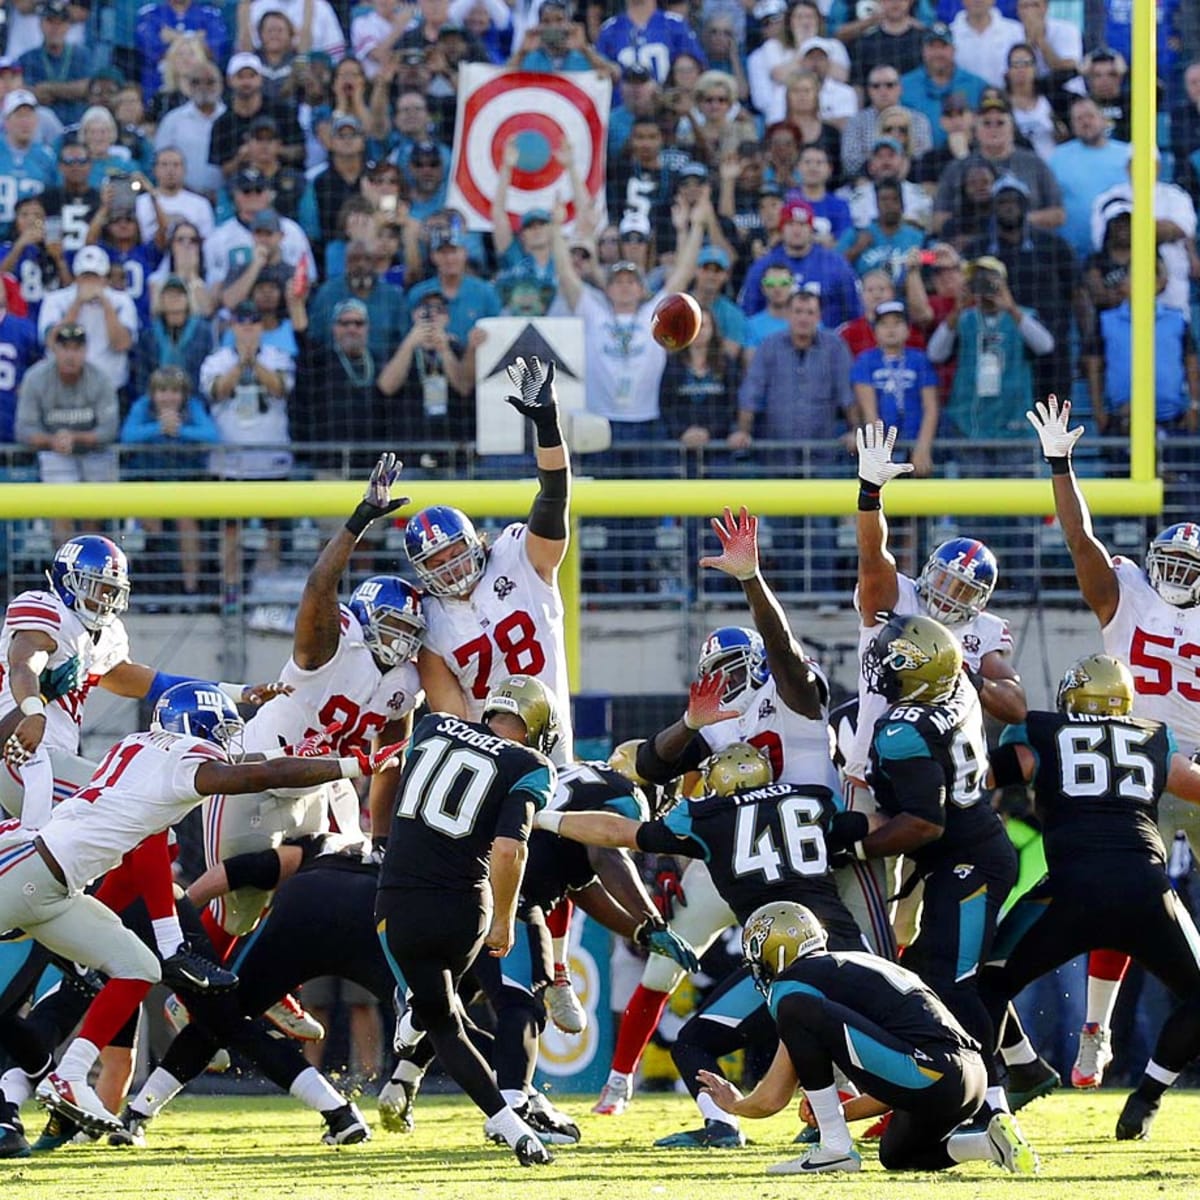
point(740, 654)
point(1098, 685)
point(432, 531)
point(201, 710)
point(1173, 564)
point(957, 581)
point(530, 699)
point(775, 936)
point(913, 658)
point(389, 611)
point(737, 768)
point(90, 575)
point(623, 760)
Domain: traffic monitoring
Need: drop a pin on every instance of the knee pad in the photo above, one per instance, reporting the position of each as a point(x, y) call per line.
point(239, 912)
point(257, 869)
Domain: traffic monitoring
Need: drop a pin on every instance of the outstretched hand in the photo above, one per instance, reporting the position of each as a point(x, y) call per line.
point(534, 381)
point(704, 702)
point(1050, 420)
point(875, 464)
point(739, 545)
point(377, 499)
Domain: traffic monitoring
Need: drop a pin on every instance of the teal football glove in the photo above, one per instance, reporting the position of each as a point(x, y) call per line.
point(55, 682)
point(654, 936)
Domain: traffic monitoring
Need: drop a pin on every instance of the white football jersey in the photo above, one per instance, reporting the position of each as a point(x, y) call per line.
point(978, 637)
point(146, 783)
point(350, 688)
point(511, 623)
point(1161, 645)
point(800, 749)
point(44, 612)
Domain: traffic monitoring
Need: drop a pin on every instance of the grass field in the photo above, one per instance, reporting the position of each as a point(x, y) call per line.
point(247, 1149)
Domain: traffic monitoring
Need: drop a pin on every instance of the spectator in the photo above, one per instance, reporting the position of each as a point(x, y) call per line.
point(1174, 230)
point(268, 296)
point(387, 309)
point(1105, 270)
point(642, 180)
point(692, 186)
point(718, 123)
point(348, 92)
point(888, 35)
point(888, 162)
point(32, 258)
point(432, 373)
point(558, 44)
point(1087, 165)
point(98, 135)
point(929, 307)
point(115, 229)
point(708, 289)
point(925, 87)
point(267, 255)
point(232, 243)
point(12, 79)
point(334, 183)
point(1042, 272)
point(159, 25)
point(839, 101)
point(376, 31)
point(797, 388)
point(997, 147)
point(19, 350)
point(679, 96)
point(640, 98)
point(1185, 132)
point(996, 344)
point(315, 17)
point(759, 229)
point(768, 67)
point(810, 264)
point(176, 68)
point(107, 316)
point(427, 171)
point(884, 242)
point(57, 71)
point(878, 288)
point(957, 130)
point(177, 336)
point(778, 284)
point(276, 51)
point(644, 35)
point(721, 40)
point(227, 146)
point(192, 126)
point(25, 29)
point(698, 392)
point(184, 258)
point(264, 154)
point(1058, 44)
point(896, 384)
point(1104, 75)
point(1109, 369)
point(469, 298)
point(1035, 119)
point(974, 213)
point(831, 213)
point(168, 420)
point(783, 155)
point(26, 167)
point(983, 38)
point(802, 112)
point(67, 412)
point(170, 198)
point(862, 130)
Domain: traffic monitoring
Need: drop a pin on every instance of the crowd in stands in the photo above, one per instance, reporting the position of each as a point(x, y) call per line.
point(227, 223)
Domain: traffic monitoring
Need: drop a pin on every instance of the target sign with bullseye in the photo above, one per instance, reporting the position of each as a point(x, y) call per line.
point(540, 111)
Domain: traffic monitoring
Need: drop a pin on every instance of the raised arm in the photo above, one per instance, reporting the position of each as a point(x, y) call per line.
point(569, 282)
point(1093, 566)
point(800, 687)
point(878, 581)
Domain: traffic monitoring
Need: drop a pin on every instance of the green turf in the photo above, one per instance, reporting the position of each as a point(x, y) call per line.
point(248, 1149)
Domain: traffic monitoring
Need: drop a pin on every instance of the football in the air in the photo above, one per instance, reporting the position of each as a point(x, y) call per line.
point(676, 321)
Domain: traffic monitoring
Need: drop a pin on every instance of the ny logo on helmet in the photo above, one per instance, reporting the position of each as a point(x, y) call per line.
point(904, 655)
point(368, 590)
point(68, 552)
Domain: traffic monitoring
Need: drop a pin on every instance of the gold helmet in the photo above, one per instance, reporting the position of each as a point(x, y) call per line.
point(913, 658)
point(1098, 684)
point(775, 936)
point(737, 768)
point(623, 760)
point(530, 699)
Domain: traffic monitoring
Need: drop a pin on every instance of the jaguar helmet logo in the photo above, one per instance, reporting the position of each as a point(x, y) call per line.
point(904, 655)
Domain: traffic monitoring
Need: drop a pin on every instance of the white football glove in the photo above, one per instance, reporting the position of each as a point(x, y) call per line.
point(875, 454)
point(1050, 421)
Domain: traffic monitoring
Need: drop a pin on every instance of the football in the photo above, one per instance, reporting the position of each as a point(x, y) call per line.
point(676, 321)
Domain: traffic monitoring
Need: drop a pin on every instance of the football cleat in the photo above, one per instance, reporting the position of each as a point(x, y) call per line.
point(290, 1017)
point(396, 1100)
point(876, 1130)
point(1133, 1125)
point(562, 1005)
point(178, 1018)
point(552, 1126)
point(817, 1161)
point(1094, 1055)
point(191, 972)
point(132, 1131)
point(58, 1132)
point(345, 1126)
point(75, 1098)
point(615, 1096)
point(12, 1133)
point(810, 1135)
point(531, 1153)
point(1012, 1151)
point(1030, 1081)
point(714, 1135)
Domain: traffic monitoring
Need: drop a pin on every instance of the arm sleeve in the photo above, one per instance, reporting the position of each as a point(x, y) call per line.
point(657, 770)
point(548, 514)
point(516, 816)
point(658, 838)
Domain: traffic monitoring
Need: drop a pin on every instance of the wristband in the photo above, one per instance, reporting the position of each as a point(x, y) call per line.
point(33, 706)
point(869, 496)
point(551, 822)
point(234, 691)
point(1060, 466)
point(546, 426)
point(361, 517)
point(860, 852)
point(349, 768)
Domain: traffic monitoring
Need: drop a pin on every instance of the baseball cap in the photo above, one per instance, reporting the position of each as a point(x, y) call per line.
point(54, 8)
point(451, 30)
point(352, 306)
point(111, 74)
point(955, 102)
point(1116, 208)
point(70, 333)
point(425, 150)
point(91, 260)
point(987, 262)
point(250, 180)
point(174, 283)
point(263, 124)
point(636, 75)
point(533, 216)
point(624, 267)
point(1010, 183)
point(766, 10)
point(770, 189)
point(246, 313)
point(446, 237)
point(994, 104)
point(888, 307)
point(693, 170)
point(939, 31)
point(713, 255)
point(242, 61)
point(11, 64)
point(412, 56)
point(347, 121)
point(796, 210)
point(21, 98)
point(636, 223)
point(266, 221)
point(888, 143)
point(832, 48)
